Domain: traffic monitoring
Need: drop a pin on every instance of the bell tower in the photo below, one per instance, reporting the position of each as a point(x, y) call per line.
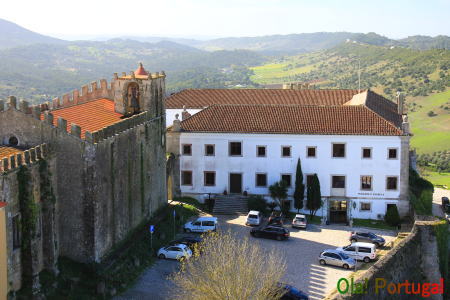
point(139, 91)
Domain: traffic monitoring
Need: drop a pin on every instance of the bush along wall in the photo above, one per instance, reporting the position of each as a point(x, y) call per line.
point(124, 263)
point(421, 193)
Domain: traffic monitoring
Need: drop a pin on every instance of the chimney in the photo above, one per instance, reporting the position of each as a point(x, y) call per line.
point(176, 124)
point(405, 125)
point(184, 114)
point(400, 102)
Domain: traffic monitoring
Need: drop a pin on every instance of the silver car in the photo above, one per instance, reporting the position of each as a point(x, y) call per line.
point(336, 258)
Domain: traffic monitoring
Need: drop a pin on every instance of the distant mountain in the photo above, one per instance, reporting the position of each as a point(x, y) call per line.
point(422, 42)
point(42, 71)
point(13, 35)
point(308, 42)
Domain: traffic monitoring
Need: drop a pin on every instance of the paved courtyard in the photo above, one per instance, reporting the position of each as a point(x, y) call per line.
point(300, 252)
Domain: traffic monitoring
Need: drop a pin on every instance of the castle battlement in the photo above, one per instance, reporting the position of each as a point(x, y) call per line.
point(95, 90)
point(116, 128)
point(26, 157)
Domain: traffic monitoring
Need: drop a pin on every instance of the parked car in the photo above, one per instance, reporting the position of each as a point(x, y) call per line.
point(178, 252)
point(360, 251)
point(445, 205)
point(254, 217)
point(276, 219)
point(202, 224)
point(336, 258)
point(299, 221)
point(186, 240)
point(367, 237)
point(271, 232)
point(292, 293)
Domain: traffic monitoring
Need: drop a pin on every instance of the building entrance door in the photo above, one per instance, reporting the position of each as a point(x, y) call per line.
point(338, 211)
point(235, 183)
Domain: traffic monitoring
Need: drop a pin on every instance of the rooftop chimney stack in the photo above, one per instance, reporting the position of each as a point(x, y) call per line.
point(185, 114)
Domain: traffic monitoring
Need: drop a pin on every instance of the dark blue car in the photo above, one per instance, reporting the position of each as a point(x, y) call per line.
point(292, 293)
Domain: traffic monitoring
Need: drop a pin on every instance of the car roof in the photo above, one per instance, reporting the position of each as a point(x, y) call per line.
point(253, 212)
point(332, 251)
point(300, 216)
point(361, 244)
point(179, 245)
point(206, 219)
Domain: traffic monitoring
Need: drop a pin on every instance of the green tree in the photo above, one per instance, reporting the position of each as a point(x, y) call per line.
point(278, 191)
point(313, 196)
point(299, 192)
point(392, 216)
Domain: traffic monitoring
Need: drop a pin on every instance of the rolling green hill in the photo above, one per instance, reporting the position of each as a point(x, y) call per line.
point(423, 75)
point(431, 133)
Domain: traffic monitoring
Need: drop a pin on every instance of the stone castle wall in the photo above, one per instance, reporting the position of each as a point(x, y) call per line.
point(414, 259)
point(104, 185)
point(43, 242)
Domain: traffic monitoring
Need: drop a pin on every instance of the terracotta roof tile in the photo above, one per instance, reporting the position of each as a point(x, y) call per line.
point(290, 119)
point(6, 151)
point(3, 204)
point(90, 116)
point(200, 98)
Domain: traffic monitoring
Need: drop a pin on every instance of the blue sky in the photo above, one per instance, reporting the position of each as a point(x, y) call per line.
point(219, 18)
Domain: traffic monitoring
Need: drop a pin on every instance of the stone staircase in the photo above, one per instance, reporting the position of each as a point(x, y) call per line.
point(230, 205)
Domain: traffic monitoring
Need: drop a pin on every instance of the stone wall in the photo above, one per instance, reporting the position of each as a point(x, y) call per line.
point(414, 259)
point(128, 181)
point(10, 193)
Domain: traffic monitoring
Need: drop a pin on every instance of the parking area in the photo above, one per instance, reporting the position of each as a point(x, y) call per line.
point(300, 252)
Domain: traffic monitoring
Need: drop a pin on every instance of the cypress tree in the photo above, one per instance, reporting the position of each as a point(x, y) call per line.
point(313, 196)
point(299, 192)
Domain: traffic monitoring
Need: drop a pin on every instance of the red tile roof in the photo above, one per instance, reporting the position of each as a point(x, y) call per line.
point(290, 119)
point(140, 70)
point(3, 204)
point(6, 151)
point(90, 116)
point(200, 98)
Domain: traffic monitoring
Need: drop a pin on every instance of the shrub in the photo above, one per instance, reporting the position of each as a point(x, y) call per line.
point(426, 198)
point(230, 267)
point(257, 202)
point(392, 217)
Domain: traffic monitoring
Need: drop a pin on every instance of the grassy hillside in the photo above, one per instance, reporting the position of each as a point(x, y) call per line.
point(423, 75)
point(389, 69)
point(431, 131)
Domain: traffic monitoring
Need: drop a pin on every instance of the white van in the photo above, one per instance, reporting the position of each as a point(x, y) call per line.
point(254, 217)
point(360, 251)
point(202, 224)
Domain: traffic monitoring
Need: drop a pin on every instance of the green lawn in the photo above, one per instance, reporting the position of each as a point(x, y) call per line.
point(437, 179)
point(378, 224)
point(431, 133)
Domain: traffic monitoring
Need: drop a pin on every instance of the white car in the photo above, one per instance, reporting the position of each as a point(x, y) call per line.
point(254, 217)
point(360, 251)
point(202, 224)
point(179, 252)
point(299, 221)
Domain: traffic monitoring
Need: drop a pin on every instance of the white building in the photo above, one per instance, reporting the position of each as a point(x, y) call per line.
point(356, 143)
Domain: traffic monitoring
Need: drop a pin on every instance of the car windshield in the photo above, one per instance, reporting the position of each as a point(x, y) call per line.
point(344, 256)
point(252, 216)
